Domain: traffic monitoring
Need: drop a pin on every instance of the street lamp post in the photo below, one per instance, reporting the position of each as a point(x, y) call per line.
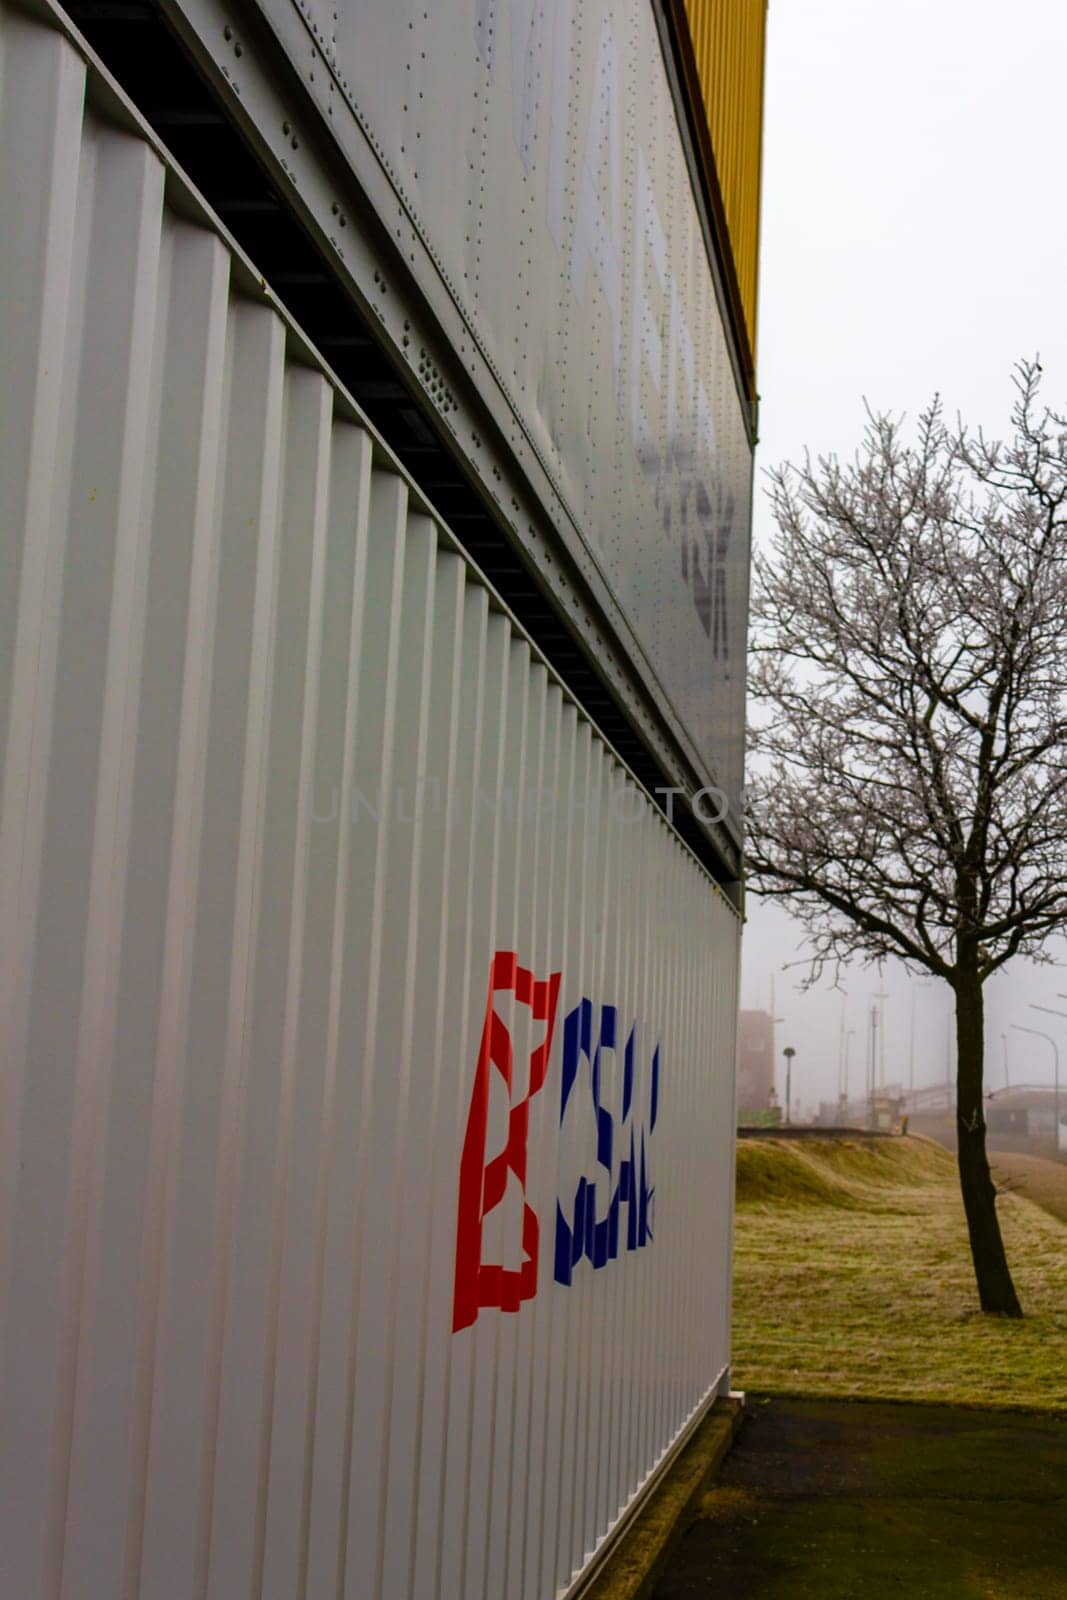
point(849, 1036)
point(911, 1044)
point(1049, 1011)
point(918, 983)
point(789, 1053)
point(876, 1067)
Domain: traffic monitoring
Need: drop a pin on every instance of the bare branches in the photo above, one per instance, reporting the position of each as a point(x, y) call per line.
point(909, 692)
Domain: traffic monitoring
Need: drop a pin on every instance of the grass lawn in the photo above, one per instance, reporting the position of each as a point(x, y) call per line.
point(852, 1278)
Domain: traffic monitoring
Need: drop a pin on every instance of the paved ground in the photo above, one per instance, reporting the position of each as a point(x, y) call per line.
point(843, 1500)
point(1041, 1180)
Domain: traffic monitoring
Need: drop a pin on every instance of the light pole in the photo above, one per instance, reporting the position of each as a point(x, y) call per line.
point(1056, 1057)
point(882, 998)
point(1048, 1010)
point(789, 1053)
point(917, 983)
point(1004, 1042)
point(849, 1036)
point(876, 1064)
point(876, 1046)
point(911, 1044)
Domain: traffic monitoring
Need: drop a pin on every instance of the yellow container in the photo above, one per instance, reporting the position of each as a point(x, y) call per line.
point(728, 46)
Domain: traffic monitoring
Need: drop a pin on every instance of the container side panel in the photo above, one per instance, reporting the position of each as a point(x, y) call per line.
point(560, 224)
point(368, 1047)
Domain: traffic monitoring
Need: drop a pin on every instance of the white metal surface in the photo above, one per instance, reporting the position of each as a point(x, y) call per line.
point(551, 186)
point(526, 161)
point(282, 786)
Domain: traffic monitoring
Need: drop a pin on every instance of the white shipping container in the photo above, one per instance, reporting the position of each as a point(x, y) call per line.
point(366, 1110)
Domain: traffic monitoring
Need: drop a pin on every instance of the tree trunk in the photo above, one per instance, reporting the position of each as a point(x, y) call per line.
point(995, 1288)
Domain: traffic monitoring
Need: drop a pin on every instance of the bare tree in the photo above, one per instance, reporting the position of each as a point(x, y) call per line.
point(909, 795)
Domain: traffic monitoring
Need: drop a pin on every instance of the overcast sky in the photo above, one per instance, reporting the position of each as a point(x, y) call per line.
point(914, 240)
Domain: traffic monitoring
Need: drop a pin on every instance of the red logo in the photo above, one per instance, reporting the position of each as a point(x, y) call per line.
point(482, 1186)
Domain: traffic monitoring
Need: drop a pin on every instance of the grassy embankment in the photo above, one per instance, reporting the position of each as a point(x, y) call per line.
point(852, 1277)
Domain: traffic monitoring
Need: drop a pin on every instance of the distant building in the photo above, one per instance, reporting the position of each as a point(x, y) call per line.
point(1026, 1119)
point(755, 1061)
point(1029, 1119)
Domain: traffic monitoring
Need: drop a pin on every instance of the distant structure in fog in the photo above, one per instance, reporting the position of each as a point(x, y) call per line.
point(755, 1061)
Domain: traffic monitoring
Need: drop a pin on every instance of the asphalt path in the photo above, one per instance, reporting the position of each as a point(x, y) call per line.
point(845, 1500)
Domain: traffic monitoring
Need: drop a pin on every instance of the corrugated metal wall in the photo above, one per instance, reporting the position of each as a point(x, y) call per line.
point(728, 42)
point(280, 779)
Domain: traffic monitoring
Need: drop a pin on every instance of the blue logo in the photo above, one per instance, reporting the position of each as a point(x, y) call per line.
point(621, 1148)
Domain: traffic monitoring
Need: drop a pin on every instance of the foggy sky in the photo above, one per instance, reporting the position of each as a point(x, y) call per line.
point(913, 241)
